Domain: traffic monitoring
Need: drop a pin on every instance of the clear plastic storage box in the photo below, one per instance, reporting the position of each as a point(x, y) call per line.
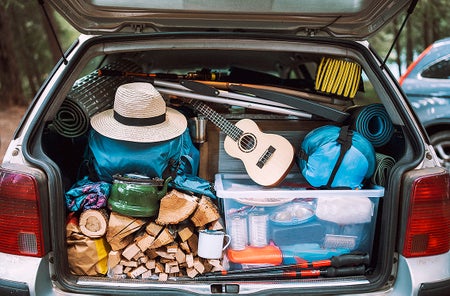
point(294, 222)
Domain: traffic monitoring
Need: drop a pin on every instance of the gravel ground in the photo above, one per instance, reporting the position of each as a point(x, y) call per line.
point(9, 119)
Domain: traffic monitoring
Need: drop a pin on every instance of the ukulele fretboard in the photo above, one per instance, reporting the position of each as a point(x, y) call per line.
point(227, 127)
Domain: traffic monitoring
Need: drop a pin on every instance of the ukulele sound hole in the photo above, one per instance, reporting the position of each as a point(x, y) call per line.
point(247, 142)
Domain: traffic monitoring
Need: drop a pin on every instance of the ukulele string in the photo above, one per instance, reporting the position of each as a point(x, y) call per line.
point(230, 129)
point(247, 142)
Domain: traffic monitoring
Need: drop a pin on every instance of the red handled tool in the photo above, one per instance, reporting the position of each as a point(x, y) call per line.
point(346, 260)
point(282, 274)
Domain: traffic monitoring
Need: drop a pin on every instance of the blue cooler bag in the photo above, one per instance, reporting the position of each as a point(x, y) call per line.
point(335, 157)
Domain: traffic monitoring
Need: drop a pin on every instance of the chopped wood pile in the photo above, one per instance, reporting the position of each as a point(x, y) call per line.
point(160, 247)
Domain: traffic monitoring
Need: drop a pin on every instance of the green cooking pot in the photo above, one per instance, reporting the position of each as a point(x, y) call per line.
point(136, 195)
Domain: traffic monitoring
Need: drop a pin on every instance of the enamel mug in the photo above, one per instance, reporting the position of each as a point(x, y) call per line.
point(211, 243)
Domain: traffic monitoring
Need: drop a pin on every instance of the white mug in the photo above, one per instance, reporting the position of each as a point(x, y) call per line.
point(210, 243)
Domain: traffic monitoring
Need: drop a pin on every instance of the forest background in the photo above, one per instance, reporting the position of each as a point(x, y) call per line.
point(28, 50)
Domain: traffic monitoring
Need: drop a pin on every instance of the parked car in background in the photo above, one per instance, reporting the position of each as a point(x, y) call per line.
point(426, 82)
point(327, 185)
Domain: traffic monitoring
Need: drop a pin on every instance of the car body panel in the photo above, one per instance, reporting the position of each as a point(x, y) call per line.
point(415, 271)
point(430, 97)
point(349, 19)
point(427, 86)
point(34, 272)
point(395, 275)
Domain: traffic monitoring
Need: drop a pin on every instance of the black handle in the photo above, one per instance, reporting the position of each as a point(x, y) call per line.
point(200, 88)
point(350, 260)
point(299, 103)
point(344, 271)
point(108, 72)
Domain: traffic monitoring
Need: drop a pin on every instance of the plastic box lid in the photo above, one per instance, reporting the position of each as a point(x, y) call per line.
point(239, 186)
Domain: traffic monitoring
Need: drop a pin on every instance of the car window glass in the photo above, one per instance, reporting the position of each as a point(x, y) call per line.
point(439, 70)
point(92, 65)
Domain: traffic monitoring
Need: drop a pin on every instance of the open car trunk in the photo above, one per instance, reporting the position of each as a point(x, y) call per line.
point(287, 223)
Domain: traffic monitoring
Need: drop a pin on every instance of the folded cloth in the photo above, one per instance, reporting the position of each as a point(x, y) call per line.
point(345, 209)
point(384, 164)
point(85, 195)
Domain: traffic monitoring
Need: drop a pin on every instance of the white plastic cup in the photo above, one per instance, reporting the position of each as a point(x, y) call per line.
point(238, 232)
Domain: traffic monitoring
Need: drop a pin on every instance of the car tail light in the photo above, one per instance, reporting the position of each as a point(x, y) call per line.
point(20, 221)
point(428, 227)
point(413, 65)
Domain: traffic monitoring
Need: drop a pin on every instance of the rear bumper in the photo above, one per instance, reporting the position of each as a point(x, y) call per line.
point(424, 276)
point(435, 289)
point(22, 275)
point(14, 288)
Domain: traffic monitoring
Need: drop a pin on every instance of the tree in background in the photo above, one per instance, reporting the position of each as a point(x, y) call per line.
point(28, 50)
point(10, 84)
point(429, 22)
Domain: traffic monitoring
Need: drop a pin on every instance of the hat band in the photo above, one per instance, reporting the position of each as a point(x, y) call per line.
point(133, 121)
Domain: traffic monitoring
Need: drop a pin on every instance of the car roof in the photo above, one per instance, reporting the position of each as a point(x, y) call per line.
point(437, 50)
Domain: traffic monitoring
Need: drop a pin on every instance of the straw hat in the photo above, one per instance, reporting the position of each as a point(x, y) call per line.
point(139, 115)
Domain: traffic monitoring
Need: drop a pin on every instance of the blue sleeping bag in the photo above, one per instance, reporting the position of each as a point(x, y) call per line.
point(334, 157)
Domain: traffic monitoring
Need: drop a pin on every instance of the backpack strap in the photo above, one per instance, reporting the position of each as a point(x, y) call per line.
point(302, 155)
point(345, 139)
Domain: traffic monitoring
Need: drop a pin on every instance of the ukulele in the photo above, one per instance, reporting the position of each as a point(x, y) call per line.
point(267, 157)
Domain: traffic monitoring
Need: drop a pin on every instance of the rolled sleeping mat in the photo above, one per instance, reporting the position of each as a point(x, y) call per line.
point(384, 164)
point(89, 95)
point(373, 122)
point(72, 119)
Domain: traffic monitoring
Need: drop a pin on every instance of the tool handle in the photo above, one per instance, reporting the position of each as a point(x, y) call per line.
point(350, 260)
point(344, 271)
point(109, 72)
point(201, 88)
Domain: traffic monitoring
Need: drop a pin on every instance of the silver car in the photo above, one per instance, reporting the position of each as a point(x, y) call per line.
point(240, 75)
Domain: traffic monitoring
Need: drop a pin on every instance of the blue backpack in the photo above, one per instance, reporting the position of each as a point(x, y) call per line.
point(177, 158)
point(335, 157)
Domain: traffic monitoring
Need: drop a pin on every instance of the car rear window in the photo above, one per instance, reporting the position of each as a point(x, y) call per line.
point(439, 70)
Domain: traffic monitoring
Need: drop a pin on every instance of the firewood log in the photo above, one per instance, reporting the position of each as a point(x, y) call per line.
point(114, 258)
point(137, 272)
point(185, 232)
point(93, 223)
point(190, 260)
point(162, 277)
point(153, 229)
point(130, 251)
point(175, 207)
point(164, 238)
point(147, 274)
point(191, 272)
point(206, 212)
point(120, 230)
point(145, 242)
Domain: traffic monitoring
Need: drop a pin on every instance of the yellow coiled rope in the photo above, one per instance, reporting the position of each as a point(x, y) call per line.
point(338, 77)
